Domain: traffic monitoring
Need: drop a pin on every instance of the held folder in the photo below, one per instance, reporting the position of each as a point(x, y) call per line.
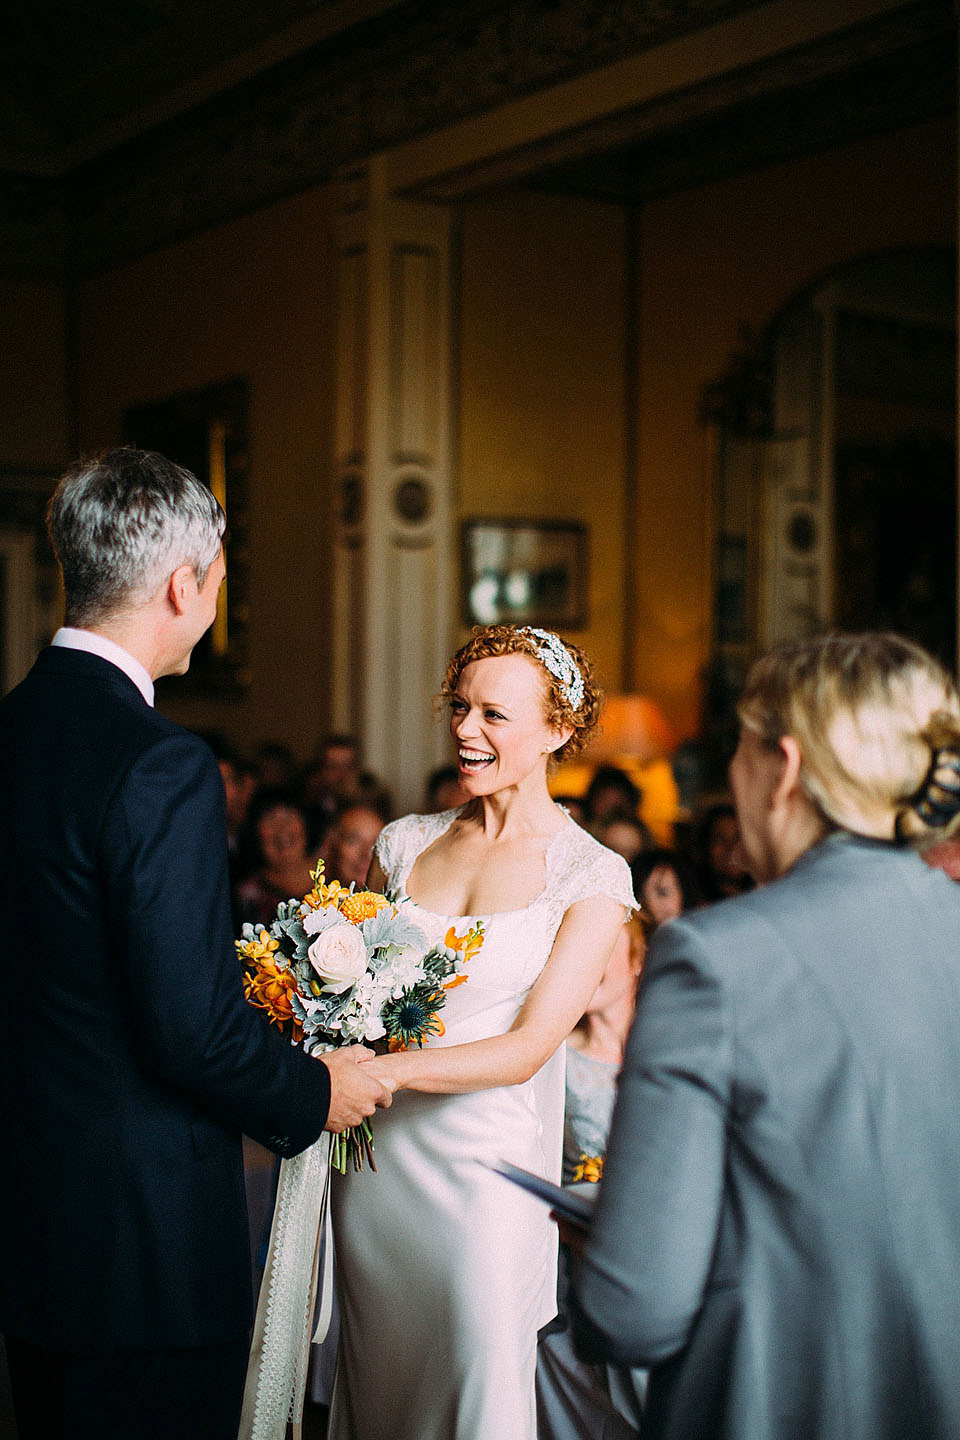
point(571, 1204)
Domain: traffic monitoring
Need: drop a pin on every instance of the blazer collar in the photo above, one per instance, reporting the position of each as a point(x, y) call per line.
point(71, 638)
point(83, 665)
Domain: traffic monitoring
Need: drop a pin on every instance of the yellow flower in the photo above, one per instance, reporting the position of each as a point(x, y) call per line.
point(361, 905)
point(323, 895)
point(254, 952)
point(590, 1168)
point(467, 944)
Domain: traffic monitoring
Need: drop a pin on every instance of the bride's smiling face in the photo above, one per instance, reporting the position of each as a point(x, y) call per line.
point(498, 720)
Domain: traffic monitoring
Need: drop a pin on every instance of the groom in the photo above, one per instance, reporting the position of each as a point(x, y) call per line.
point(129, 1059)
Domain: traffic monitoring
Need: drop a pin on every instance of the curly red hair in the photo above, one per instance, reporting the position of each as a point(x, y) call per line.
point(492, 640)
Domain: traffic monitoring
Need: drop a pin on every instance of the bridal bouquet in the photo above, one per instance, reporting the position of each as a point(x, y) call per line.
point(345, 966)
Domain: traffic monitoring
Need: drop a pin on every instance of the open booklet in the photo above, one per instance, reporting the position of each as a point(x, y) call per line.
point(573, 1205)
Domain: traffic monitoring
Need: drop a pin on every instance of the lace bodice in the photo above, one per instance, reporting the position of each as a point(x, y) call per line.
point(577, 866)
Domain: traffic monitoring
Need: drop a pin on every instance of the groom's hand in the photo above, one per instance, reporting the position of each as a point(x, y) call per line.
point(354, 1092)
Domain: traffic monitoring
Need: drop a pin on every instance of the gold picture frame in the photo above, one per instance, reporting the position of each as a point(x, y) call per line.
point(525, 572)
point(206, 432)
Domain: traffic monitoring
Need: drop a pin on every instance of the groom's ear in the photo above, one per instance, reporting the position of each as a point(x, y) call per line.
point(178, 587)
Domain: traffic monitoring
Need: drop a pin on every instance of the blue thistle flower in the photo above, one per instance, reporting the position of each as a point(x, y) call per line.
point(413, 1016)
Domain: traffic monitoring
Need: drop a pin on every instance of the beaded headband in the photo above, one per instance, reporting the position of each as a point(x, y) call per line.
point(555, 657)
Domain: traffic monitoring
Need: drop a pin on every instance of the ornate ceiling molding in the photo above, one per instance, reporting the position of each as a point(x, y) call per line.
point(405, 72)
point(775, 112)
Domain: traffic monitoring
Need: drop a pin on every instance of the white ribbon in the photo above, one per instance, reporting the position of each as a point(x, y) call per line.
point(279, 1353)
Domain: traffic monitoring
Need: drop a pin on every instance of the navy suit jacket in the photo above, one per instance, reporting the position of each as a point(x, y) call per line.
point(129, 1060)
point(778, 1227)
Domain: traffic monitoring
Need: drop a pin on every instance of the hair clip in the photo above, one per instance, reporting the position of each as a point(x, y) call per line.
point(940, 793)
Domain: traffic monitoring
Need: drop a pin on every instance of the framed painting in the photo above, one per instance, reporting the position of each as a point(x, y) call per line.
point(206, 432)
point(31, 602)
point(525, 572)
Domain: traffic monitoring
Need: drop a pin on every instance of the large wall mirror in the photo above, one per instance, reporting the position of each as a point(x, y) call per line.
point(836, 466)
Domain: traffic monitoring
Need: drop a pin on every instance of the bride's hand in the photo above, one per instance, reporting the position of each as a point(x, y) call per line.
point(385, 1068)
point(354, 1092)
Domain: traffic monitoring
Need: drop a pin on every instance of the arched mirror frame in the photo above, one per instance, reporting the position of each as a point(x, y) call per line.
point(835, 499)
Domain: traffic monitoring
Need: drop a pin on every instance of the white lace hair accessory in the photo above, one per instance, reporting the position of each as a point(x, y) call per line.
point(555, 657)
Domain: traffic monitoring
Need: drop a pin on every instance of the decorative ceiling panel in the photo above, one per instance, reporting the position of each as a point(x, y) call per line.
point(139, 123)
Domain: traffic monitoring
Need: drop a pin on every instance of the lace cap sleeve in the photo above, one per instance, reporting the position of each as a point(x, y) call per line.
point(400, 842)
point(584, 867)
point(386, 847)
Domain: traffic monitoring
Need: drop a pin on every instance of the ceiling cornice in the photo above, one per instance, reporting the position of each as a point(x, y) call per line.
point(403, 71)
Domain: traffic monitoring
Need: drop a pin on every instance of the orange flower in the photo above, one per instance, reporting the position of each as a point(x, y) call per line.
point(361, 905)
point(268, 985)
point(467, 944)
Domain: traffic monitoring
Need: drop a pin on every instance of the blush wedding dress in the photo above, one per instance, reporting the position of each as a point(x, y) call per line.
point(446, 1271)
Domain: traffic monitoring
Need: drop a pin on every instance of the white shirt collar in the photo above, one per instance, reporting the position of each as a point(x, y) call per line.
point(70, 638)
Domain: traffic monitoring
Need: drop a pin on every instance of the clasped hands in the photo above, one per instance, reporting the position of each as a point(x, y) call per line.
point(354, 1090)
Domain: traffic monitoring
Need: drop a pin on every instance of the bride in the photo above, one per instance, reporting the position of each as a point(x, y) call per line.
point(446, 1271)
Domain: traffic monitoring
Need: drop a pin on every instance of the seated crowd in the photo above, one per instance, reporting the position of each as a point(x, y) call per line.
point(282, 817)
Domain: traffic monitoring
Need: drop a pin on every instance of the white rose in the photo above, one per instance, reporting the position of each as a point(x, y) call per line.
point(339, 957)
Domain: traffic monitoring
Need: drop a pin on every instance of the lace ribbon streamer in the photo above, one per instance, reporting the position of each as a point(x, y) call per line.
point(279, 1354)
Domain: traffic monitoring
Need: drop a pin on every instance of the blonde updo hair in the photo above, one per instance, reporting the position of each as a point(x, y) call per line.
point(877, 721)
point(492, 640)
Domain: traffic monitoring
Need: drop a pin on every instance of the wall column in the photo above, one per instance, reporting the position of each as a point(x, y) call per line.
point(393, 545)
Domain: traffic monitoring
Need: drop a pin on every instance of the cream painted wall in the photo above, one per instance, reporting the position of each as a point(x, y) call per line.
point(33, 368)
point(712, 260)
point(252, 298)
point(541, 382)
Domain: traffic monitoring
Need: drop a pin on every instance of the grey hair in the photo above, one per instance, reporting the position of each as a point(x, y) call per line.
point(122, 523)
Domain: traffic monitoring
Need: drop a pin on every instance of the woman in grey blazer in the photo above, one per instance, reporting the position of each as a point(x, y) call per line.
point(778, 1230)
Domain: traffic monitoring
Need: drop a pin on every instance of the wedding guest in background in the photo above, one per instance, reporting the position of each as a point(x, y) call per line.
point(665, 884)
point(444, 791)
point(127, 1079)
point(610, 790)
point(277, 765)
point(330, 781)
point(248, 780)
point(370, 791)
point(777, 1234)
point(279, 823)
point(348, 849)
point(624, 833)
point(238, 789)
point(721, 866)
point(576, 1400)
